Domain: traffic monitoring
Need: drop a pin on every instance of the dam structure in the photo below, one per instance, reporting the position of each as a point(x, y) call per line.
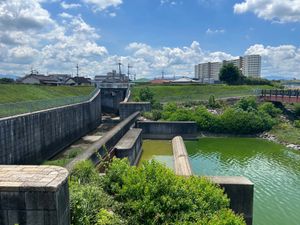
point(35, 137)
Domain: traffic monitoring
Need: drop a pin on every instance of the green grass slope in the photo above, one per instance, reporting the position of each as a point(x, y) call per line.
point(183, 93)
point(10, 93)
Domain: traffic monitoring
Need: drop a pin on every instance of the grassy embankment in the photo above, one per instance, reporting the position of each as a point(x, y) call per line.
point(11, 93)
point(35, 97)
point(185, 93)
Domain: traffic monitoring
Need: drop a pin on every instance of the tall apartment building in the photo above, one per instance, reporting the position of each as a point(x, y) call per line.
point(249, 65)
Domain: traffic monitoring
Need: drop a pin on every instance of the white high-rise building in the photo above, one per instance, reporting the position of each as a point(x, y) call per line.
point(252, 66)
point(249, 65)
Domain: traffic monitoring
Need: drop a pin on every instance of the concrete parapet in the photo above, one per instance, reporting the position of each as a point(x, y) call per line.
point(130, 146)
point(34, 195)
point(32, 138)
point(127, 108)
point(240, 191)
point(168, 130)
point(181, 159)
point(111, 98)
point(106, 143)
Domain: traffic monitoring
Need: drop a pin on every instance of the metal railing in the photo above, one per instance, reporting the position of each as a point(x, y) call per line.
point(281, 93)
point(11, 109)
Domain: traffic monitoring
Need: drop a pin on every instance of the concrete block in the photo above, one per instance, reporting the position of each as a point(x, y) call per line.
point(32, 195)
point(240, 191)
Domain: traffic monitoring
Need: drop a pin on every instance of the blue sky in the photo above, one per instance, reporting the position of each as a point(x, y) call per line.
point(152, 35)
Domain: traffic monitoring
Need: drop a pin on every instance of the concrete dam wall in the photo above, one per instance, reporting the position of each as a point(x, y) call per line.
point(34, 137)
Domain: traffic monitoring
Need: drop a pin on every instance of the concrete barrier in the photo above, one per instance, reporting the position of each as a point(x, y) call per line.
point(240, 191)
point(181, 159)
point(168, 130)
point(35, 137)
point(127, 108)
point(130, 146)
point(34, 195)
point(106, 143)
point(111, 98)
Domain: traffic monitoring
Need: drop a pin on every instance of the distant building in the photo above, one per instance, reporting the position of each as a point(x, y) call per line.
point(160, 81)
point(78, 81)
point(39, 79)
point(110, 79)
point(249, 65)
point(184, 80)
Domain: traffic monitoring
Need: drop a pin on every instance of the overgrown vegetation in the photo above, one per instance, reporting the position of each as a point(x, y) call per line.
point(65, 158)
point(150, 194)
point(245, 117)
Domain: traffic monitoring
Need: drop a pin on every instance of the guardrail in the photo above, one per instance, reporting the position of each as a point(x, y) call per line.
point(286, 93)
point(11, 109)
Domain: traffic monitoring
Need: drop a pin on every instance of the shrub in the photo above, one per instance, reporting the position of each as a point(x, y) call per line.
point(297, 109)
point(86, 201)
point(297, 123)
point(247, 104)
point(168, 110)
point(212, 103)
point(84, 172)
point(146, 95)
point(108, 218)
point(230, 74)
point(153, 194)
point(153, 115)
point(269, 108)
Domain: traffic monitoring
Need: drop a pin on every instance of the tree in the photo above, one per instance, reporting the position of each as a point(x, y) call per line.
point(6, 81)
point(146, 95)
point(230, 74)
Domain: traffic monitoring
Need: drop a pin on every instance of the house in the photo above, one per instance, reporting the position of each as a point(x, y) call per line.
point(78, 81)
point(183, 80)
point(39, 79)
point(61, 78)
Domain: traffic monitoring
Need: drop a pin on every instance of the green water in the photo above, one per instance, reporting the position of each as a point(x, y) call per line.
point(158, 150)
point(274, 170)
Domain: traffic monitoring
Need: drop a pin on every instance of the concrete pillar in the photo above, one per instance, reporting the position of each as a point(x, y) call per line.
point(34, 195)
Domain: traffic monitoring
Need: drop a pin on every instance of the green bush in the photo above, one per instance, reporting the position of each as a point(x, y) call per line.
point(269, 108)
point(212, 103)
point(153, 194)
point(146, 95)
point(244, 118)
point(247, 104)
point(297, 123)
point(297, 109)
point(153, 115)
point(84, 172)
point(86, 201)
point(108, 218)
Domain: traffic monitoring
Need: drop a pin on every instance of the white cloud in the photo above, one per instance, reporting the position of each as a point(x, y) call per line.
point(69, 6)
point(211, 31)
point(100, 5)
point(273, 10)
point(281, 60)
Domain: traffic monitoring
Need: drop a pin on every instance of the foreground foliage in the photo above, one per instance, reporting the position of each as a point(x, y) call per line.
point(151, 194)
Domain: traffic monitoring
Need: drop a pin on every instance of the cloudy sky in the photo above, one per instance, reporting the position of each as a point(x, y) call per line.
point(152, 35)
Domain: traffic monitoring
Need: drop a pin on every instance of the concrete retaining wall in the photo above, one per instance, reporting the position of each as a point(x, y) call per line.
point(34, 137)
point(111, 98)
point(240, 191)
point(168, 130)
point(127, 108)
point(34, 195)
point(106, 143)
point(130, 146)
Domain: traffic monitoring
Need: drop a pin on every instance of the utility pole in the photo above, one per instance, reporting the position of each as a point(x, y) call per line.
point(128, 70)
point(77, 68)
point(120, 64)
point(162, 74)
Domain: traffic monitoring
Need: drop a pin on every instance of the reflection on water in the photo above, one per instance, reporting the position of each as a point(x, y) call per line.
point(274, 170)
point(160, 150)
